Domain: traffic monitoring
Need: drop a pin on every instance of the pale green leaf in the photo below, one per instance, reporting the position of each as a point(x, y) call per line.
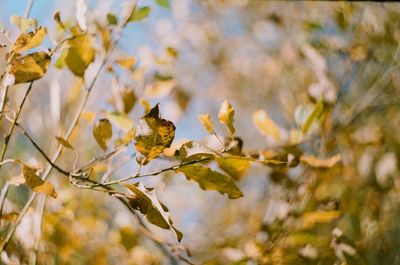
point(315, 114)
point(265, 125)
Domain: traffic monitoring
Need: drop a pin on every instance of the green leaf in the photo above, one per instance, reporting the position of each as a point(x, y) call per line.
point(206, 121)
point(315, 114)
point(153, 135)
point(226, 116)
point(146, 201)
point(29, 67)
point(234, 166)
point(163, 3)
point(211, 180)
point(102, 132)
point(140, 14)
point(60, 62)
point(112, 19)
point(194, 151)
point(121, 120)
point(80, 54)
point(26, 41)
point(36, 183)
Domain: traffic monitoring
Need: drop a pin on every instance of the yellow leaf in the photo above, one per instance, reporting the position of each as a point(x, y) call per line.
point(30, 67)
point(320, 162)
point(80, 54)
point(128, 99)
point(102, 132)
point(310, 219)
point(26, 41)
point(211, 180)
point(126, 62)
point(36, 183)
point(206, 121)
point(146, 105)
point(121, 120)
point(64, 142)
point(226, 116)
point(315, 114)
point(265, 125)
point(153, 135)
point(236, 167)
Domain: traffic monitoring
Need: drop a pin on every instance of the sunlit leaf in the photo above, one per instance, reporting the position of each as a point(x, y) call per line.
point(233, 166)
point(64, 142)
point(321, 162)
point(60, 62)
point(121, 120)
point(24, 24)
point(209, 179)
point(146, 105)
point(146, 201)
point(206, 121)
point(265, 125)
point(126, 62)
point(140, 13)
point(29, 67)
point(36, 183)
point(112, 19)
point(26, 41)
point(153, 135)
point(80, 54)
point(310, 219)
point(315, 114)
point(192, 151)
point(102, 132)
point(226, 116)
point(160, 89)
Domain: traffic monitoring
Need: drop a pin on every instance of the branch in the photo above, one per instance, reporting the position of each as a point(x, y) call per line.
point(71, 128)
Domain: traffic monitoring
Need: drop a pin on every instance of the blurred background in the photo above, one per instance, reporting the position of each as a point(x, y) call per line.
point(282, 57)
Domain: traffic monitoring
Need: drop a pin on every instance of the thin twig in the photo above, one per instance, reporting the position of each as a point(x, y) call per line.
point(71, 128)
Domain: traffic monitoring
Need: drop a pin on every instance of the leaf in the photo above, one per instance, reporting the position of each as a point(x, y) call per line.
point(192, 151)
point(234, 166)
point(163, 3)
point(36, 183)
point(315, 114)
point(121, 120)
point(126, 62)
point(153, 135)
point(128, 99)
point(206, 121)
point(60, 62)
point(24, 24)
point(265, 125)
point(64, 142)
point(140, 14)
point(226, 116)
point(146, 201)
point(26, 41)
point(29, 67)
point(146, 105)
point(102, 132)
point(319, 162)
point(112, 19)
point(80, 54)
point(310, 219)
point(211, 180)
